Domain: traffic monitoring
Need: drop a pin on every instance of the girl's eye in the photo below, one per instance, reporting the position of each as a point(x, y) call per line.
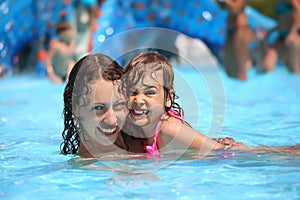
point(150, 92)
point(133, 93)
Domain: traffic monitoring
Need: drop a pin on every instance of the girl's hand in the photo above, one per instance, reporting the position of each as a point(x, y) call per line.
point(228, 142)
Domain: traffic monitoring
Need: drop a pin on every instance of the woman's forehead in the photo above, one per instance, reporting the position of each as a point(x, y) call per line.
point(104, 91)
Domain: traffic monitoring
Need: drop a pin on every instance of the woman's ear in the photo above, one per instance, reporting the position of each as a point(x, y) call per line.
point(170, 98)
point(75, 111)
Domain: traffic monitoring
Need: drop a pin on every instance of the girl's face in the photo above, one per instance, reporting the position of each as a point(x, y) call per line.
point(147, 100)
point(105, 113)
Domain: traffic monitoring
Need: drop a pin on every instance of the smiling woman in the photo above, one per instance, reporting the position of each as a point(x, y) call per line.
point(94, 110)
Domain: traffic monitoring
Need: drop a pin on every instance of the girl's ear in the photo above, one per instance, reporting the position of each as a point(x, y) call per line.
point(170, 98)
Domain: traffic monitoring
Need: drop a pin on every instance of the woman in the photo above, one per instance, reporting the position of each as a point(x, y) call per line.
point(94, 109)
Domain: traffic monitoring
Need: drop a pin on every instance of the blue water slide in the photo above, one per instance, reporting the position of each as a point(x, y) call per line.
point(198, 18)
point(201, 19)
point(259, 21)
point(23, 21)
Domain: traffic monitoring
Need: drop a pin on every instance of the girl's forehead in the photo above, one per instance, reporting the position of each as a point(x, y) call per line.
point(150, 79)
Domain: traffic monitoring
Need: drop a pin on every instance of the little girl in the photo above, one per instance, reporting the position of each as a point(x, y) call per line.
point(148, 82)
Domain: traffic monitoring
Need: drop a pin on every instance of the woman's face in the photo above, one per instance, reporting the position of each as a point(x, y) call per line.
point(103, 114)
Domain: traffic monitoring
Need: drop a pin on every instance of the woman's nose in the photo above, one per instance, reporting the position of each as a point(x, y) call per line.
point(110, 117)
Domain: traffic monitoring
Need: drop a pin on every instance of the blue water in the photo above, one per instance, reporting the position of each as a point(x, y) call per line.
point(264, 110)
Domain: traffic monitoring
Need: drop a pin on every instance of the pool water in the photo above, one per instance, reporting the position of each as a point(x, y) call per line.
point(264, 110)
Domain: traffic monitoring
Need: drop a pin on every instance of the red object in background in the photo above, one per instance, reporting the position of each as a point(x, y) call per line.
point(140, 6)
point(90, 44)
point(15, 59)
point(151, 17)
point(41, 55)
point(67, 1)
point(98, 13)
point(49, 25)
point(63, 13)
point(94, 27)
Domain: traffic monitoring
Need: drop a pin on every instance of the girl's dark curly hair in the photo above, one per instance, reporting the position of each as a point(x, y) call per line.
point(87, 70)
point(146, 64)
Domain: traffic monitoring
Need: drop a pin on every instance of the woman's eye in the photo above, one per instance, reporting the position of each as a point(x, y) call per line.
point(119, 105)
point(97, 108)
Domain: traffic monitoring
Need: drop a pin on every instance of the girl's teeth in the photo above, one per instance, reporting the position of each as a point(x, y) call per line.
point(140, 111)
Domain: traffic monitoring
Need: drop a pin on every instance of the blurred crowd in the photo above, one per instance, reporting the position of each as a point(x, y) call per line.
point(245, 47)
point(69, 33)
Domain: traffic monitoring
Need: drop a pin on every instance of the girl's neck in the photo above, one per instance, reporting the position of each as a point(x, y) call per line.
point(150, 130)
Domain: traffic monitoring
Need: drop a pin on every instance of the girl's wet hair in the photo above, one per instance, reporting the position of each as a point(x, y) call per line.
point(147, 64)
point(86, 71)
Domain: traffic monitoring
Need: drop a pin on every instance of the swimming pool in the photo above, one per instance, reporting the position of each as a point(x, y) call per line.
point(263, 110)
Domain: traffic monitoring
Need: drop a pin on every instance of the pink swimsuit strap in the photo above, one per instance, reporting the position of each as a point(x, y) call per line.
point(153, 150)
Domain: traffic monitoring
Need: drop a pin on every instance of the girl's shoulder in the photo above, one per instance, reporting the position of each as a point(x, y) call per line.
point(171, 125)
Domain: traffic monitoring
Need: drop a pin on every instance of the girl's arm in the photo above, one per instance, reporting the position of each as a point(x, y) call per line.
point(177, 135)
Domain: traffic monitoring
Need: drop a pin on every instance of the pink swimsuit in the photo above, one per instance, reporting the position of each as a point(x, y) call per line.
point(153, 150)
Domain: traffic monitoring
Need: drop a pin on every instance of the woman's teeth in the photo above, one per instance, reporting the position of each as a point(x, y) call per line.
point(108, 130)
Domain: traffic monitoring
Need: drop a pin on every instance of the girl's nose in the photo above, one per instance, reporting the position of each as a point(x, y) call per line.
point(139, 99)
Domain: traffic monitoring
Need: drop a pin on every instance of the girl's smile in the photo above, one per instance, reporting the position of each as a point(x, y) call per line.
point(146, 102)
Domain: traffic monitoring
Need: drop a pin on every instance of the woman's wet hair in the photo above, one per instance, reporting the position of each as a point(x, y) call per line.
point(86, 71)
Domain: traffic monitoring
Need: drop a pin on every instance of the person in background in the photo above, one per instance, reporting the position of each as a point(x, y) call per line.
point(287, 45)
point(87, 14)
point(2, 70)
point(237, 58)
point(60, 57)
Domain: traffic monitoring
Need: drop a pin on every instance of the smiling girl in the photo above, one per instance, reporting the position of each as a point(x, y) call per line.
point(149, 86)
point(154, 116)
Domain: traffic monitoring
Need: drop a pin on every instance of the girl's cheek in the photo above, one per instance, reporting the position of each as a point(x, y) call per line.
point(129, 103)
